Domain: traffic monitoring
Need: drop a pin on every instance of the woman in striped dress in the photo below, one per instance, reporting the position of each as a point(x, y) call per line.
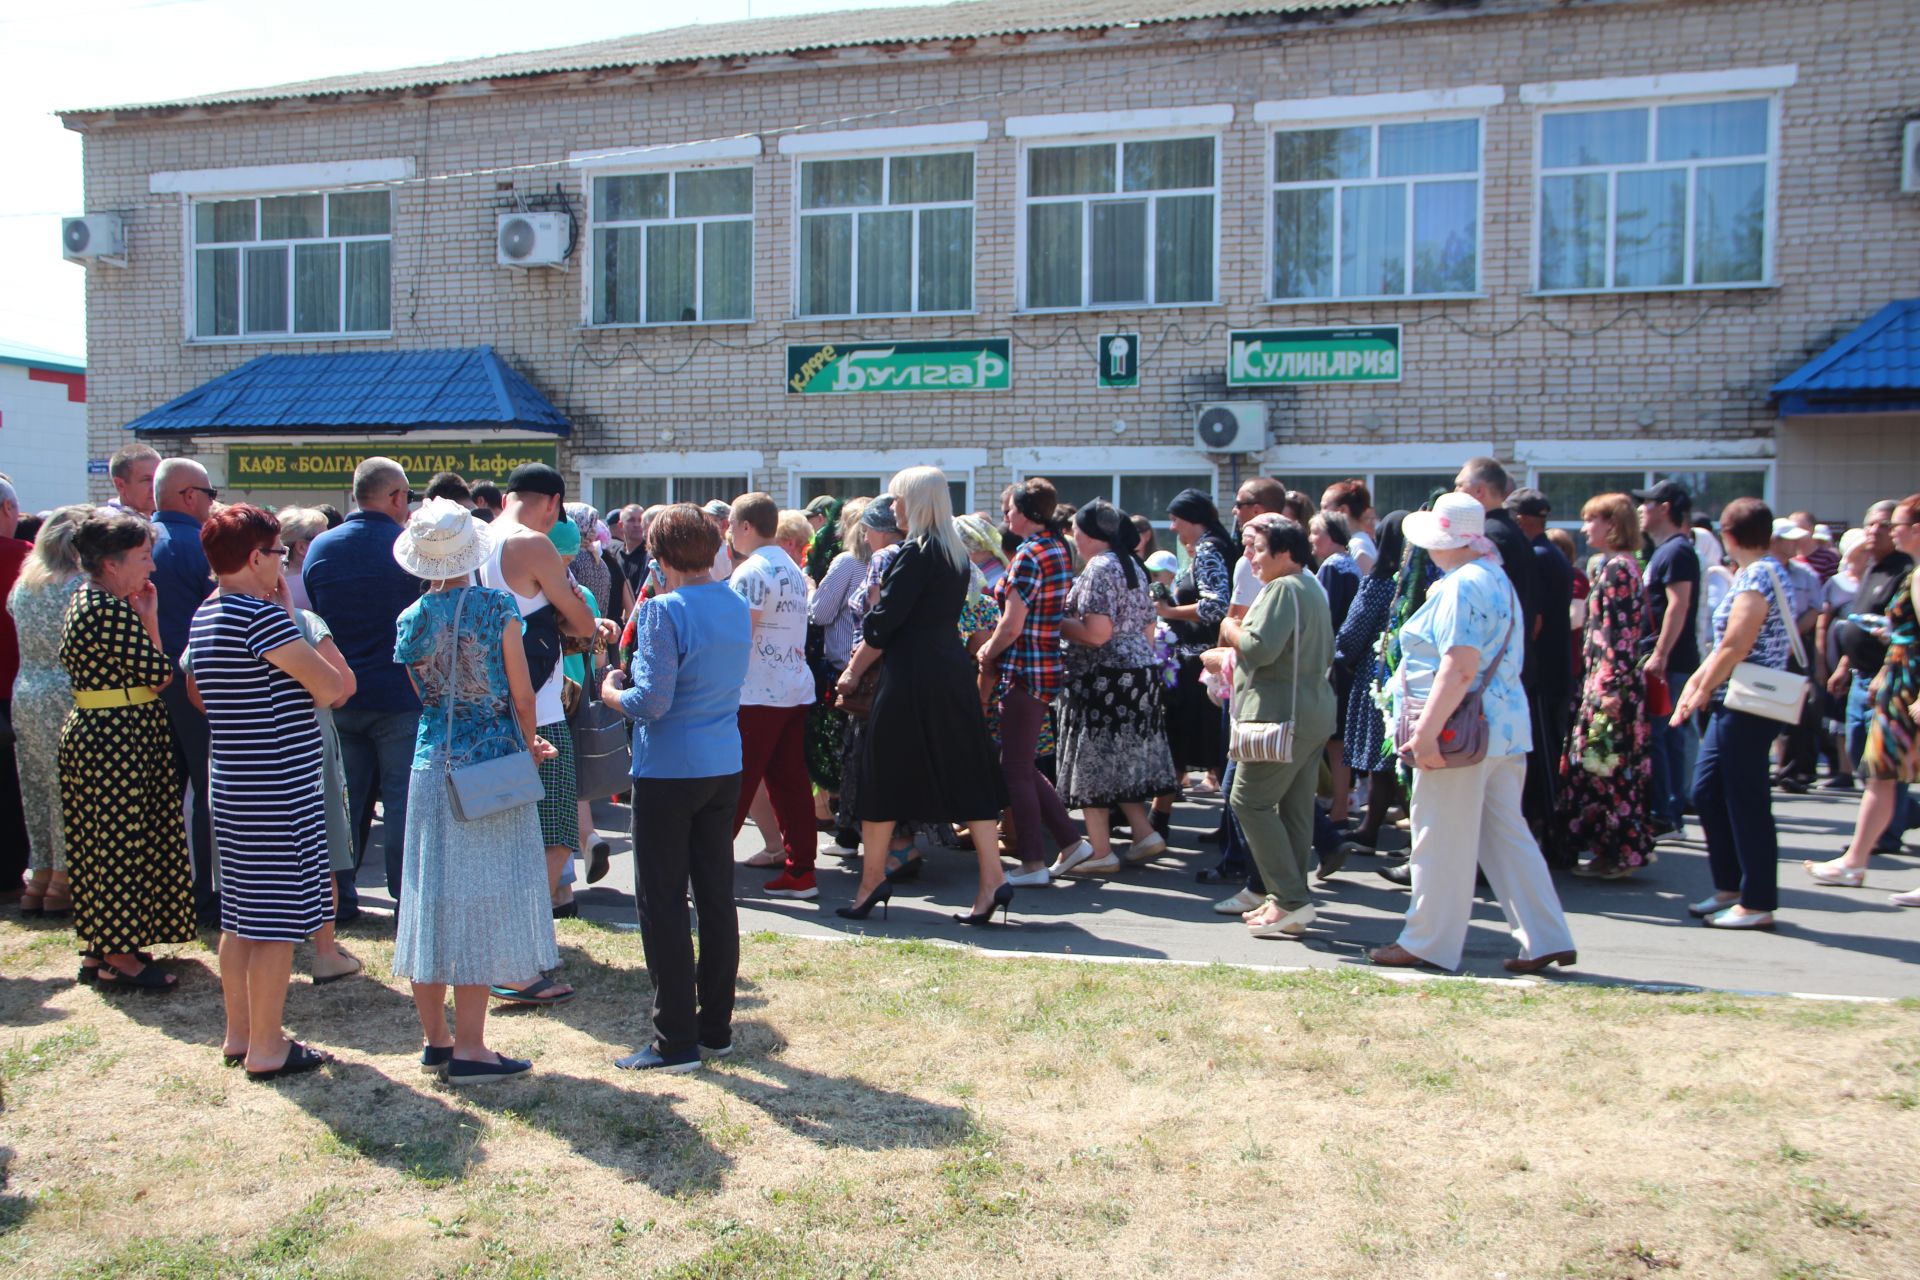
point(259, 681)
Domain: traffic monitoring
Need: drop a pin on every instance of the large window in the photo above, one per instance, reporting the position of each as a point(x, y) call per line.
point(1146, 495)
point(673, 248)
point(1712, 488)
point(1376, 210)
point(611, 492)
point(1391, 490)
point(886, 235)
point(1655, 197)
point(1113, 224)
point(286, 265)
point(805, 488)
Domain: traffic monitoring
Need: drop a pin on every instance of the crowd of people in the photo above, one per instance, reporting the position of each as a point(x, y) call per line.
point(208, 701)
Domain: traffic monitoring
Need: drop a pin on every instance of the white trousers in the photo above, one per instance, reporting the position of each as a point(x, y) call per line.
point(1467, 817)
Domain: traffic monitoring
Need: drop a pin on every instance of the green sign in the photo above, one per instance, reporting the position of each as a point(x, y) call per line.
point(1309, 357)
point(330, 466)
point(844, 368)
point(1119, 355)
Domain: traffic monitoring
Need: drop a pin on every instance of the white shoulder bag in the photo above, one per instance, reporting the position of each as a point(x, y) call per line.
point(1262, 741)
point(1768, 691)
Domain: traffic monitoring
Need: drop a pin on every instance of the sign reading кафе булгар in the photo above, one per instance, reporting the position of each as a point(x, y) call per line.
point(330, 466)
point(1313, 357)
point(846, 368)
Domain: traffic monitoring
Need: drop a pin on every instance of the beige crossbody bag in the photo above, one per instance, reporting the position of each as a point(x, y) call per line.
point(1267, 741)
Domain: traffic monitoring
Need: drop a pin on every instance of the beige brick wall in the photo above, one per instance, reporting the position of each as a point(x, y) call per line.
point(1505, 367)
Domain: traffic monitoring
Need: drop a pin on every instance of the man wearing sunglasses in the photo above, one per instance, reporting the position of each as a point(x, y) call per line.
point(182, 579)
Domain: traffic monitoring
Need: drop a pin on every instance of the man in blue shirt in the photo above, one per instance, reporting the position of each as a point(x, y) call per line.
point(181, 581)
point(358, 588)
point(1672, 643)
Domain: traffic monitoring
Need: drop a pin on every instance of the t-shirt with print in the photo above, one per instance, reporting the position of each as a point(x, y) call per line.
point(776, 590)
point(1674, 562)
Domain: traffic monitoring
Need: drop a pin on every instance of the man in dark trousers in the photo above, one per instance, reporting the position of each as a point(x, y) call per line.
point(1862, 652)
point(1487, 482)
point(182, 580)
point(1553, 689)
point(1672, 642)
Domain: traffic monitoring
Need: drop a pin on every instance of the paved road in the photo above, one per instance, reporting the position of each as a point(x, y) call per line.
point(1829, 941)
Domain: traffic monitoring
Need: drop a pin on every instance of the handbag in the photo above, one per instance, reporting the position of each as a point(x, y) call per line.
point(1769, 692)
point(488, 787)
point(860, 701)
point(602, 747)
point(1463, 738)
point(1267, 741)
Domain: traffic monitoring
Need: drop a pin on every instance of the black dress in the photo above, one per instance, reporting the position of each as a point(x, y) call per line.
point(927, 756)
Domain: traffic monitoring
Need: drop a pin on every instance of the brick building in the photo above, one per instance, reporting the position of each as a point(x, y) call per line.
point(1586, 236)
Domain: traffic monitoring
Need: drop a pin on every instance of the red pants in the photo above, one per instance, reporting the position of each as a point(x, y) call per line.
point(773, 748)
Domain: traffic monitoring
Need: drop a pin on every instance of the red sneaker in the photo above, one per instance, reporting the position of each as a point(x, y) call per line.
point(788, 885)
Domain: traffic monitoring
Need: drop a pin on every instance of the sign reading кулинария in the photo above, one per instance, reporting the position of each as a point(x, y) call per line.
point(1307, 357)
point(841, 368)
point(327, 466)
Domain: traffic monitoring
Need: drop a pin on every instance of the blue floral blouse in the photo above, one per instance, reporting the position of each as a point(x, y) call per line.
point(484, 727)
point(1771, 646)
point(1474, 606)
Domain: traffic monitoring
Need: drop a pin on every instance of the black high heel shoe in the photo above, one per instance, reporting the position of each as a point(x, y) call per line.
point(1002, 902)
point(881, 894)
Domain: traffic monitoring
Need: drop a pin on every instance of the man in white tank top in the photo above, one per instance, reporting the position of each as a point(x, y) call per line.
point(525, 563)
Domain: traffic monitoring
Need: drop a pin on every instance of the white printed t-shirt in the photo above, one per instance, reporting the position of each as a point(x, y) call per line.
point(1246, 587)
point(773, 587)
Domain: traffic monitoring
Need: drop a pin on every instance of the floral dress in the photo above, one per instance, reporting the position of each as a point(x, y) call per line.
point(42, 697)
point(1891, 752)
point(1607, 771)
point(1113, 738)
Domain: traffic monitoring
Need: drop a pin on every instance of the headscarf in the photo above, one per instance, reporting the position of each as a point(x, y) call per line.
point(825, 544)
point(1103, 521)
point(880, 515)
point(981, 538)
point(1196, 507)
point(1028, 504)
point(1391, 544)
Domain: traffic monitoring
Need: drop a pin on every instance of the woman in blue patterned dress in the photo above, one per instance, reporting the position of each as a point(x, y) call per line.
point(1201, 596)
point(474, 906)
point(1356, 649)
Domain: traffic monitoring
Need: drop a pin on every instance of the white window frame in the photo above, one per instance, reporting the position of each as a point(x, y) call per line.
point(1648, 457)
point(207, 191)
point(1305, 123)
point(672, 174)
point(886, 155)
point(1651, 102)
point(1030, 140)
point(597, 468)
point(1119, 462)
point(958, 464)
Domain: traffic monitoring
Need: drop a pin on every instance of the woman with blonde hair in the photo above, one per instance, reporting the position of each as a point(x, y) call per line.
point(926, 755)
point(42, 697)
point(1606, 776)
point(299, 526)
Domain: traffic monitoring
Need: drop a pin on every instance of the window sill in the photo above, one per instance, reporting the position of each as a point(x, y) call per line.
point(792, 321)
point(1114, 306)
point(1644, 289)
point(662, 324)
point(1376, 299)
point(279, 338)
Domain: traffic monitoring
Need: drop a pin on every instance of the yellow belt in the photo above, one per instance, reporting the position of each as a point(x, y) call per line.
point(94, 699)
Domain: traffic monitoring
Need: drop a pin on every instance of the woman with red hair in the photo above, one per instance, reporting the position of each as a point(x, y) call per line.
point(258, 681)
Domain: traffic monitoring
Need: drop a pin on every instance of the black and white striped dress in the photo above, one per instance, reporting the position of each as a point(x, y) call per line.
point(269, 809)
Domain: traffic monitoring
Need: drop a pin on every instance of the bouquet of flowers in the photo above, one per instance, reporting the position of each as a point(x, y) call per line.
point(1601, 755)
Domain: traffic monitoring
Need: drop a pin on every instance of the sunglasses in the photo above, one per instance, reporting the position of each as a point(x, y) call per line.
point(1244, 502)
point(414, 495)
point(212, 494)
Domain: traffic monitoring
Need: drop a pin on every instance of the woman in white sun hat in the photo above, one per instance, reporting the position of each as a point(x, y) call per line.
point(474, 906)
point(1463, 641)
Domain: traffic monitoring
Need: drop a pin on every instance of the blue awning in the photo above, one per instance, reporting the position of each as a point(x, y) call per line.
point(1874, 369)
point(361, 392)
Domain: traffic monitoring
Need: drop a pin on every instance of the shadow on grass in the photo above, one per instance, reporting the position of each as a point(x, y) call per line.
point(14, 1209)
point(23, 1001)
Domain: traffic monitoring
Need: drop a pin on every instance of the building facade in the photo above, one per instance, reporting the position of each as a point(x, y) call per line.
point(1585, 237)
point(43, 426)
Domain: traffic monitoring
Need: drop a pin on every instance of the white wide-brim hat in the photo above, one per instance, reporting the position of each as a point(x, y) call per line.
point(1455, 521)
point(442, 540)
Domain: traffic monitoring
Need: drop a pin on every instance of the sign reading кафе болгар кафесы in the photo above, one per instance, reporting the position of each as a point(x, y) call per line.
point(330, 466)
point(1313, 357)
point(847, 368)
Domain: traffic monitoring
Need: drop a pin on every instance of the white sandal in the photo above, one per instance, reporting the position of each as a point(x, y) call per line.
point(1838, 876)
point(1291, 925)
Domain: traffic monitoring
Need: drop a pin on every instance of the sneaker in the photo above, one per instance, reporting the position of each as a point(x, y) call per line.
point(788, 885)
point(1240, 903)
point(845, 841)
point(463, 1073)
point(1030, 879)
point(651, 1059)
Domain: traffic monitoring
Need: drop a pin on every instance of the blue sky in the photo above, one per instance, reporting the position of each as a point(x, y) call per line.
point(90, 53)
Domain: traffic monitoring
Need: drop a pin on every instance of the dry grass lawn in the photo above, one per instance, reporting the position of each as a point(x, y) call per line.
point(910, 1110)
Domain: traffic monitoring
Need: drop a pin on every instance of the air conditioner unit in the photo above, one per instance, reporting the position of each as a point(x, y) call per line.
point(532, 239)
point(1237, 426)
point(1910, 158)
point(96, 237)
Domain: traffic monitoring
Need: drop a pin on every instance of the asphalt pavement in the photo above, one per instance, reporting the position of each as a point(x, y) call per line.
point(1829, 941)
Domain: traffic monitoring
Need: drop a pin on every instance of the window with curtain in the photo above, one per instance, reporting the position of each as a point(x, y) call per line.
point(293, 265)
point(886, 235)
point(1655, 197)
point(1121, 223)
point(673, 247)
point(1376, 210)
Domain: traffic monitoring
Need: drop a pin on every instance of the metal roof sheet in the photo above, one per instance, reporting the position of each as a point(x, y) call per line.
point(1876, 368)
point(763, 37)
point(468, 387)
point(25, 353)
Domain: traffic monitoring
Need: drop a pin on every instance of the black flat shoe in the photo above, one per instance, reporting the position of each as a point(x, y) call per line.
point(1163, 823)
point(880, 896)
point(597, 862)
point(1214, 875)
point(1400, 873)
point(567, 911)
point(1002, 902)
point(300, 1060)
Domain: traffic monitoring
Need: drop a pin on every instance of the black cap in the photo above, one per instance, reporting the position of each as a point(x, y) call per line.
point(537, 477)
point(1529, 502)
point(1668, 491)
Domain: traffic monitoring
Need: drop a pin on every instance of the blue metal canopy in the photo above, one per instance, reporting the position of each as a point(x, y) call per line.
point(362, 391)
point(1874, 369)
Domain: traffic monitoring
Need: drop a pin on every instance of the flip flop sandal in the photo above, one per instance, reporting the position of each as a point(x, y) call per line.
point(300, 1060)
point(537, 993)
